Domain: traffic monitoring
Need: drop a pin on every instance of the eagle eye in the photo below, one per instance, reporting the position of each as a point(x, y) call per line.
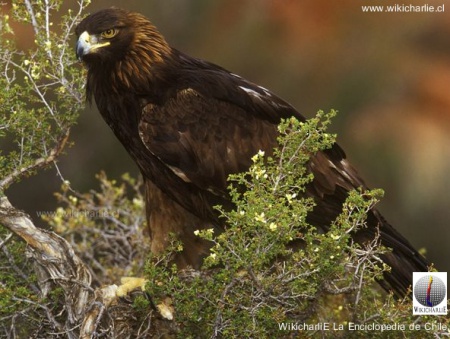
point(109, 33)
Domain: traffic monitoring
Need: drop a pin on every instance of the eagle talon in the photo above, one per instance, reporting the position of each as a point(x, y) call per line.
point(129, 284)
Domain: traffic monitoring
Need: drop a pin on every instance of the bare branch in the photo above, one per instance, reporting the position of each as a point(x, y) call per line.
point(38, 163)
point(54, 258)
point(32, 16)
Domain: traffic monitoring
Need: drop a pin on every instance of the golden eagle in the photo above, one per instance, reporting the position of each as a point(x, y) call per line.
point(188, 124)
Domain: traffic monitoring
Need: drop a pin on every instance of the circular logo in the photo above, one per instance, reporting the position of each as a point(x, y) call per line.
point(429, 291)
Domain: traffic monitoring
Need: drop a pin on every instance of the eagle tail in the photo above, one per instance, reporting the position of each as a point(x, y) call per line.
point(403, 259)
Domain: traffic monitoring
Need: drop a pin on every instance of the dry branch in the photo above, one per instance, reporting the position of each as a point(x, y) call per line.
point(57, 265)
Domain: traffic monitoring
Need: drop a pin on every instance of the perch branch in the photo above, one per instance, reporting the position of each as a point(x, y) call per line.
point(55, 260)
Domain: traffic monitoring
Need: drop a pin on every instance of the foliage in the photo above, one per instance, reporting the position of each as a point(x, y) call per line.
point(105, 227)
point(40, 99)
point(17, 286)
point(271, 270)
point(41, 94)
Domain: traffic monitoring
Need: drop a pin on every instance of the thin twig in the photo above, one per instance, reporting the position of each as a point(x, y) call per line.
point(38, 163)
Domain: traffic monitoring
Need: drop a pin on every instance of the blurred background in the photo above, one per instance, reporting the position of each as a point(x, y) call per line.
point(388, 74)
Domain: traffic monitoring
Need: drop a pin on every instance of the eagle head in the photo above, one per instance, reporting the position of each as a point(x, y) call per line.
point(105, 35)
point(122, 49)
point(113, 34)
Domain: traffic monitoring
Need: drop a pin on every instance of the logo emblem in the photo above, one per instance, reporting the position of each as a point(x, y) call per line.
point(430, 293)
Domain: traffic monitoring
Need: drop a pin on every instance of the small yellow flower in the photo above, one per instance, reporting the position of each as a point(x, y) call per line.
point(335, 236)
point(258, 155)
point(260, 217)
point(138, 202)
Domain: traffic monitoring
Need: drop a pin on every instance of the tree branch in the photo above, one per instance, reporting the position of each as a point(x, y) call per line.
point(37, 164)
point(55, 260)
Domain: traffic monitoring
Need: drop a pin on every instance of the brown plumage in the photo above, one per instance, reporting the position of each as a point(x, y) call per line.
point(188, 124)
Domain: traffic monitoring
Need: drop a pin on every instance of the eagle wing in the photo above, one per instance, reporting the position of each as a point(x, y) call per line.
point(203, 139)
point(203, 134)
